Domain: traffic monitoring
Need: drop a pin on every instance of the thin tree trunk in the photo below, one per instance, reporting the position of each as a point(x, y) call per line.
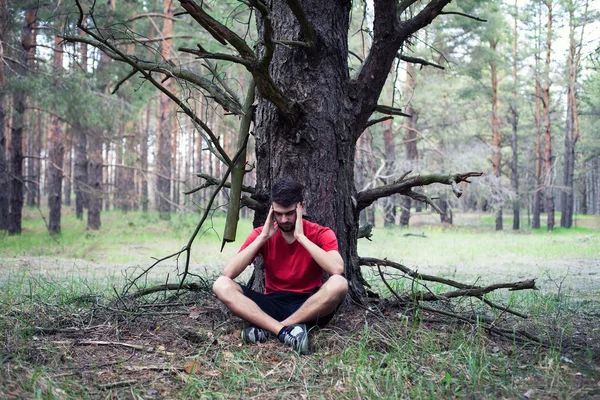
point(68, 169)
point(163, 142)
point(144, 162)
point(537, 192)
point(56, 152)
point(16, 144)
point(549, 193)
point(410, 138)
point(389, 205)
point(514, 176)
point(4, 168)
point(364, 170)
point(572, 122)
point(496, 138)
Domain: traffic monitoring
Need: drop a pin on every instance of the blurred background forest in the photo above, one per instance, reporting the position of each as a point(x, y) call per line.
point(512, 91)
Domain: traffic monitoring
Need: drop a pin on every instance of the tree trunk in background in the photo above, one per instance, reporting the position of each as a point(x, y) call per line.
point(144, 162)
point(33, 153)
point(444, 204)
point(537, 192)
point(410, 138)
point(80, 174)
point(163, 141)
point(389, 203)
point(548, 179)
point(496, 137)
point(19, 106)
point(572, 121)
point(4, 177)
point(128, 172)
point(514, 121)
point(364, 170)
point(56, 151)
point(68, 168)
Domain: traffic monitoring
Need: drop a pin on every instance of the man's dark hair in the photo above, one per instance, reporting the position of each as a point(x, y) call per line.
point(287, 192)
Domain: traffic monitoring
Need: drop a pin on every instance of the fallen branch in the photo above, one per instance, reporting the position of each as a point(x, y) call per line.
point(104, 343)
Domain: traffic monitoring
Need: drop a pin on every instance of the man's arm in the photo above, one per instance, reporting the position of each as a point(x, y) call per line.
point(331, 261)
point(238, 263)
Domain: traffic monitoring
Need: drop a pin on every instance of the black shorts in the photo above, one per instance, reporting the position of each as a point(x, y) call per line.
point(280, 305)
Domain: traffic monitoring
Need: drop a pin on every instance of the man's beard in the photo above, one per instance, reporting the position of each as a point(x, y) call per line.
point(287, 229)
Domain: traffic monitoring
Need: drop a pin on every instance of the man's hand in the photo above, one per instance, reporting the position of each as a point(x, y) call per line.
point(299, 230)
point(270, 228)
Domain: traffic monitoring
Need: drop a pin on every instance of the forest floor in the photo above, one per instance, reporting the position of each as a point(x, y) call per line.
point(67, 332)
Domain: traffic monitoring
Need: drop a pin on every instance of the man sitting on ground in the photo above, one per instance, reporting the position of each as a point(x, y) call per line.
point(295, 254)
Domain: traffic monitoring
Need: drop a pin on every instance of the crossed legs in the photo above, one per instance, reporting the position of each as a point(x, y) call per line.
point(322, 303)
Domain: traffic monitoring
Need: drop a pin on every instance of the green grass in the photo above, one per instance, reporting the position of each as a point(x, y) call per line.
point(393, 353)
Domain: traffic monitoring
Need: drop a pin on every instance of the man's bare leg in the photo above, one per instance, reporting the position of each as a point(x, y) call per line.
point(322, 303)
point(232, 295)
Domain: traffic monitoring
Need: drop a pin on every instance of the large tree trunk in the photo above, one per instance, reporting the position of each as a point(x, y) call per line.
point(16, 144)
point(4, 177)
point(163, 141)
point(317, 150)
point(56, 142)
point(80, 174)
point(410, 138)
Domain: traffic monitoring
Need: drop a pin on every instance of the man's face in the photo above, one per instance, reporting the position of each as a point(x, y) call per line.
point(285, 216)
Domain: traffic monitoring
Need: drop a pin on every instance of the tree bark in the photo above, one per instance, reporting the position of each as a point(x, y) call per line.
point(19, 106)
point(144, 162)
point(389, 203)
point(56, 152)
point(549, 193)
point(163, 142)
point(410, 138)
point(572, 121)
point(496, 136)
point(537, 190)
point(364, 170)
point(4, 167)
point(80, 174)
point(514, 121)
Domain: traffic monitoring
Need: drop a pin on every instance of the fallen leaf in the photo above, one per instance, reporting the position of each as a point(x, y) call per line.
point(564, 367)
point(227, 354)
point(194, 312)
point(213, 372)
point(339, 386)
point(162, 347)
point(192, 368)
point(275, 359)
point(529, 393)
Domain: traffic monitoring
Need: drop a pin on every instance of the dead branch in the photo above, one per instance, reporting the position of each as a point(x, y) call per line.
point(193, 287)
point(464, 289)
point(307, 29)
point(463, 15)
point(104, 343)
point(372, 122)
point(390, 110)
point(212, 181)
point(419, 61)
point(404, 186)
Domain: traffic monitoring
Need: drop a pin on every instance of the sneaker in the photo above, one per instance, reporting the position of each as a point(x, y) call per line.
point(253, 335)
point(296, 337)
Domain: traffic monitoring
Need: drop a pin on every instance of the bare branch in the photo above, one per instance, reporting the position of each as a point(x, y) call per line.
point(227, 102)
point(390, 110)
point(201, 53)
point(219, 31)
point(307, 29)
point(150, 15)
point(366, 197)
point(212, 181)
point(372, 122)
point(420, 61)
point(463, 15)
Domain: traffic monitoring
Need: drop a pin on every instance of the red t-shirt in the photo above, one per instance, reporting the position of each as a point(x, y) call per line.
point(290, 267)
